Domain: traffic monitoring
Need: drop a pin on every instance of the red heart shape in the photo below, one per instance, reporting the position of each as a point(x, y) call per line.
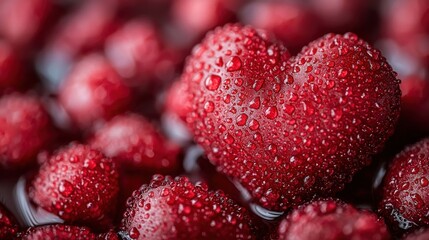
point(289, 128)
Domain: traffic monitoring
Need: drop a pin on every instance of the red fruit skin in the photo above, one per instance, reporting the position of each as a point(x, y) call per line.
point(78, 184)
point(285, 19)
point(197, 17)
point(22, 20)
point(415, 102)
point(178, 209)
point(10, 67)
point(405, 191)
point(407, 23)
point(8, 225)
point(110, 235)
point(58, 231)
point(331, 219)
point(25, 130)
point(85, 29)
point(178, 102)
point(283, 127)
point(93, 91)
point(139, 55)
point(421, 234)
point(136, 145)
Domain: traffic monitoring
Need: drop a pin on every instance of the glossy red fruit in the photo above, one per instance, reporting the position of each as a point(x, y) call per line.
point(177, 209)
point(178, 102)
point(78, 184)
point(10, 67)
point(8, 225)
point(286, 19)
point(22, 20)
point(415, 102)
point(139, 54)
point(25, 130)
point(136, 145)
point(407, 23)
point(85, 29)
point(289, 128)
point(93, 91)
point(59, 231)
point(405, 191)
point(197, 17)
point(110, 235)
point(422, 234)
point(332, 219)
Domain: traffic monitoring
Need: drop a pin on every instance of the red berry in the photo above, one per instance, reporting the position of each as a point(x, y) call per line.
point(287, 20)
point(422, 234)
point(78, 184)
point(10, 67)
point(178, 209)
point(177, 102)
point(93, 91)
point(8, 225)
point(22, 20)
point(332, 219)
point(289, 128)
point(85, 29)
point(138, 53)
point(405, 193)
point(135, 144)
point(197, 17)
point(25, 129)
point(53, 232)
point(110, 235)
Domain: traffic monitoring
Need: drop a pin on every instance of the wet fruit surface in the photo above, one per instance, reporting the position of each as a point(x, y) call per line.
point(170, 208)
point(289, 128)
point(78, 184)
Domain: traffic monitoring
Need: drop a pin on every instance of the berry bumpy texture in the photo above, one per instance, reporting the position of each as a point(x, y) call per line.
point(135, 144)
point(332, 219)
point(53, 232)
point(289, 128)
point(25, 129)
point(405, 193)
point(170, 208)
point(77, 183)
point(8, 224)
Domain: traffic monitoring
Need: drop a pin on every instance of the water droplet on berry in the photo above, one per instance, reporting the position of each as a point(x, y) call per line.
point(234, 64)
point(212, 82)
point(271, 112)
point(65, 188)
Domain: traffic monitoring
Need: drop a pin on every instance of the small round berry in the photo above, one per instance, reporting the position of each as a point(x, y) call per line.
point(25, 129)
point(177, 209)
point(93, 91)
point(331, 219)
point(405, 191)
point(78, 184)
point(8, 225)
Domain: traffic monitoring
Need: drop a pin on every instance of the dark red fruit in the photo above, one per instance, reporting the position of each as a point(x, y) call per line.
point(110, 235)
point(10, 68)
point(331, 219)
point(78, 184)
point(25, 129)
point(136, 145)
point(93, 91)
point(139, 55)
point(422, 234)
point(22, 20)
point(289, 128)
point(55, 232)
point(286, 19)
point(8, 225)
point(415, 102)
point(177, 209)
point(405, 193)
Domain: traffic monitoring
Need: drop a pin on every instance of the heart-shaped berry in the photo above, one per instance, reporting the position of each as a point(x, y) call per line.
point(289, 128)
